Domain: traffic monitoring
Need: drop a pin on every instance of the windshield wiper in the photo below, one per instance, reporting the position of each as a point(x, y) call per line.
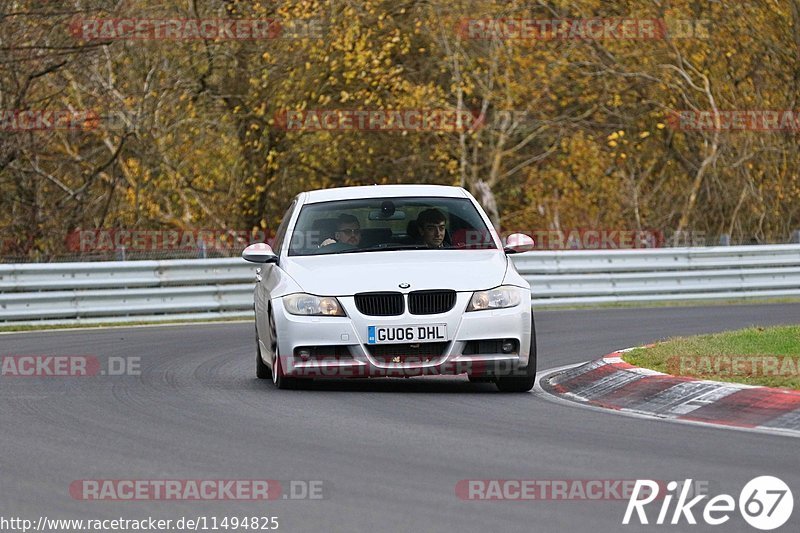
point(387, 247)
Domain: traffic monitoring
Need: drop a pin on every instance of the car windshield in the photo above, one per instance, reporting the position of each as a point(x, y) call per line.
point(382, 224)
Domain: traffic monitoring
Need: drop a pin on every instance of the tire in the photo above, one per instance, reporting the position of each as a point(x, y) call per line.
point(262, 370)
point(526, 382)
point(278, 377)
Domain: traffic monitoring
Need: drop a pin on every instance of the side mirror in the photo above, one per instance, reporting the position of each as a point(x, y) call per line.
point(518, 242)
point(259, 252)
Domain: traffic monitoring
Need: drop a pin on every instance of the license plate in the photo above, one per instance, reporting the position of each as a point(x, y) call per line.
point(398, 334)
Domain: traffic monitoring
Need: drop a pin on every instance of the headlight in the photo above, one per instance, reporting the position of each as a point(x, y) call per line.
point(497, 298)
point(310, 305)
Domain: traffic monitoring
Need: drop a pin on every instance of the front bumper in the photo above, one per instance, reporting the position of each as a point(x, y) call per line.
point(338, 345)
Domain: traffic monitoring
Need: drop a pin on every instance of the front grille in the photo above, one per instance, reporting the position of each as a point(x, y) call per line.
point(379, 303)
point(417, 352)
point(431, 302)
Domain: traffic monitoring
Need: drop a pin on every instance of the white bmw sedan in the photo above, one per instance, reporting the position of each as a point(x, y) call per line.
point(392, 281)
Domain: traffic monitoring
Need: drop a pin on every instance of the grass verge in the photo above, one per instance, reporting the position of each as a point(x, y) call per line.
point(755, 356)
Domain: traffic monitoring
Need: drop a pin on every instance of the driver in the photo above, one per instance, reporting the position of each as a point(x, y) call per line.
point(348, 231)
point(432, 225)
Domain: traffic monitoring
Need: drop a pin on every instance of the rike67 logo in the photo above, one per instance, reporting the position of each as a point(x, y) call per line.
point(765, 503)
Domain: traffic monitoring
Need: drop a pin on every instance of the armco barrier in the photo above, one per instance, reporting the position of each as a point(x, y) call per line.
point(126, 291)
point(214, 288)
point(661, 275)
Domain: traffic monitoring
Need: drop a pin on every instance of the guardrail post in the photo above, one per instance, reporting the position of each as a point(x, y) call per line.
point(724, 240)
point(795, 238)
point(121, 253)
point(202, 246)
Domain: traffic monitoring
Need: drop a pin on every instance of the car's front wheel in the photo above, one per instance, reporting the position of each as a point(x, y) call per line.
point(262, 370)
point(278, 377)
point(525, 382)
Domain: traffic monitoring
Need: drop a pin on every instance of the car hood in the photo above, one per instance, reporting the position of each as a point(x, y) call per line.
point(348, 274)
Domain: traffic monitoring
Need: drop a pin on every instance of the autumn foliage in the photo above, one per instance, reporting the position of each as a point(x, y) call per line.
point(573, 132)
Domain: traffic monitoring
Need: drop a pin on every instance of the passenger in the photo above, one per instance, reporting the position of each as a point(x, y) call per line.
point(348, 231)
point(432, 226)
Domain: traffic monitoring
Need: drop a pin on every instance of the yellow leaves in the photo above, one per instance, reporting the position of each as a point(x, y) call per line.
point(133, 165)
point(698, 57)
point(372, 57)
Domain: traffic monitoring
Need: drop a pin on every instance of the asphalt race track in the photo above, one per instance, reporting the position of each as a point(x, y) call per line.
point(388, 452)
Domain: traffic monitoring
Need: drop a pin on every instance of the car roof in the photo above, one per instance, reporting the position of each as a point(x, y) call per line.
point(381, 191)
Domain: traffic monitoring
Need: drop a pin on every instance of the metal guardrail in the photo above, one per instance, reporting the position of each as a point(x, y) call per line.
point(126, 291)
point(218, 288)
point(661, 275)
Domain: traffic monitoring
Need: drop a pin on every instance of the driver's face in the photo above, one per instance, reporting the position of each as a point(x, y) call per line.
point(349, 233)
point(433, 234)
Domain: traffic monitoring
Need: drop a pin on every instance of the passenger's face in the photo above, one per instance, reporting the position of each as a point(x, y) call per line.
point(349, 233)
point(433, 234)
